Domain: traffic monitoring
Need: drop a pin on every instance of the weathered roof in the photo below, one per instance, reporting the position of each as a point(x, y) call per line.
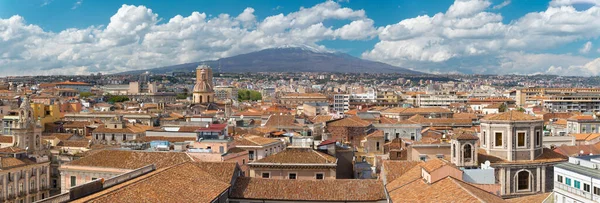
point(308, 190)
point(298, 156)
point(511, 116)
point(172, 184)
point(131, 159)
point(255, 140)
point(352, 121)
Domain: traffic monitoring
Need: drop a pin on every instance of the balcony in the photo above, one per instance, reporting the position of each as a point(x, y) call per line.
point(573, 190)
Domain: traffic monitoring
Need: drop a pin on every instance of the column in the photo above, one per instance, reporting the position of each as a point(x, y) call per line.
point(507, 139)
point(543, 177)
point(508, 182)
point(532, 143)
point(538, 180)
point(502, 181)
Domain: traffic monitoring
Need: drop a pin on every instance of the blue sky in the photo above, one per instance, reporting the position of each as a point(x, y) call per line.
point(437, 36)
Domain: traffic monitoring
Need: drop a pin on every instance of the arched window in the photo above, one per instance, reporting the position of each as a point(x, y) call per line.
point(32, 185)
point(467, 153)
point(523, 180)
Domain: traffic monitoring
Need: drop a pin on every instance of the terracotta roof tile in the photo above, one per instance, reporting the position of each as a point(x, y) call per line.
point(298, 156)
point(131, 159)
point(511, 116)
point(395, 169)
point(255, 140)
point(308, 190)
point(376, 134)
point(321, 118)
point(165, 138)
point(172, 184)
point(530, 198)
point(352, 121)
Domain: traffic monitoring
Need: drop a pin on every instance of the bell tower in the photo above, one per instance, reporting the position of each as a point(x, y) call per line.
point(27, 131)
point(464, 149)
point(203, 90)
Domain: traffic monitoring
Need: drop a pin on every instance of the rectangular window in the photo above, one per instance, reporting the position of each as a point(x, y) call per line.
point(577, 184)
point(292, 176)
point(266, 175)
point(538, 138)
point(73, 181)
point(568, 181)
point(596, 190)
point(559, 178)
point(521, 139)
point(498, 139)
point(423, 157)
point(221, 149)
point(483, 138)
point(586, 187)
point(93, 179)
point(250, 155)
point(320, 176)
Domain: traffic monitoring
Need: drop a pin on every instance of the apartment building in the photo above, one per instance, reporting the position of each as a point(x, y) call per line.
point(341, 103)
point(577, 180)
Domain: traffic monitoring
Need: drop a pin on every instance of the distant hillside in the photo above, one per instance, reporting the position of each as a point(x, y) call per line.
point(287, 60)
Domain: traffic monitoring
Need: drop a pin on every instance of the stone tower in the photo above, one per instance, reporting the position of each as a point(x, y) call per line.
point(27, 131)
point(464, 149)
point(203, 90)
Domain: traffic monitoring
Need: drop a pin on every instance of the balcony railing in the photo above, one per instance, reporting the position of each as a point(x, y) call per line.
point(573, 190)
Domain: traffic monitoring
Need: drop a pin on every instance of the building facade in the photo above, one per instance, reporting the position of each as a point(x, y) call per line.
point(577, 180)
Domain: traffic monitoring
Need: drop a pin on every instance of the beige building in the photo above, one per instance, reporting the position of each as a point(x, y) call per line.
point(203, 90)
point(109, 163)
point(295, 163)
point(259, 147)
point(512, 142)
point(295, 99)
point(118, 131)
point(23, 178)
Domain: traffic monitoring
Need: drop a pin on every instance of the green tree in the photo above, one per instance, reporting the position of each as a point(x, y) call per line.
point(182, 96)
point(249, 95)
point(117, 98)
point(502, 108)
point(85, 94)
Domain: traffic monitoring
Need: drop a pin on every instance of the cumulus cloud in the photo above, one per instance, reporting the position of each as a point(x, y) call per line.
point(469, 29)
point(137, 38)
point(586, 48)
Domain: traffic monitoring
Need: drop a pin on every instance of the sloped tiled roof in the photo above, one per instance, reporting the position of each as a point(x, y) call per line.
point(395, 169)
point(575, 150)
point(352, 121)
point(585, 136)
point(321, 118)
point(376, 134)
point(308, 190)
point(410, 187)
point(281, 120)
point(131, 159)
point(511, 116)
point(172, 184)
point(530, 198)
point(254, 140)
point(299, 156)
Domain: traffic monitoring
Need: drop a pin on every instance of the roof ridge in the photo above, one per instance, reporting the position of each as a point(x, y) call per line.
point(319, 153)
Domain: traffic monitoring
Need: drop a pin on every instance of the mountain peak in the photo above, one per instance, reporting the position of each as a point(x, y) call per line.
point(289, 58)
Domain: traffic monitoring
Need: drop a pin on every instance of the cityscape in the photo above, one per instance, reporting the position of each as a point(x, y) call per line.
point(297, 110)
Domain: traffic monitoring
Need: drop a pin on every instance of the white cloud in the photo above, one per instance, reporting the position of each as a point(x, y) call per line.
point(501, 5)
point(137, 38)
point(558, 3)
point(77, 4)
point(467, 29)
point(586, 48)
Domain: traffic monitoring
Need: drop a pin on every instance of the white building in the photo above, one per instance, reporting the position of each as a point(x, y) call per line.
point(341, 103)
point(577, 180)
